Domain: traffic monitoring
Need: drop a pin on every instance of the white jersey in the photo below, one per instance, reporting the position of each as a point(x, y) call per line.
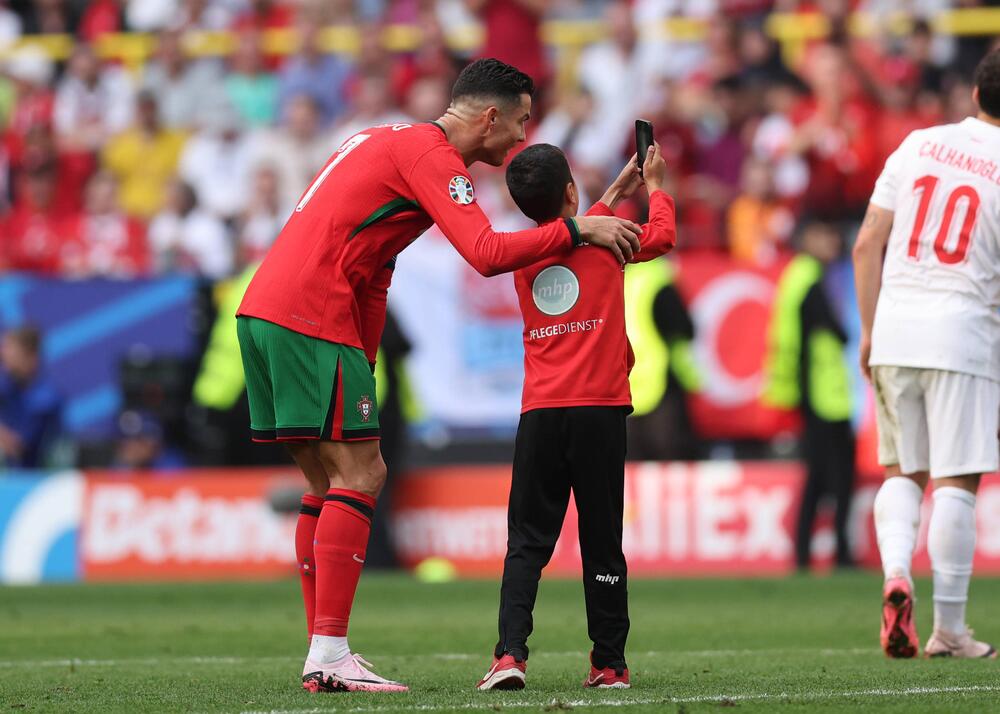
point(938, 307)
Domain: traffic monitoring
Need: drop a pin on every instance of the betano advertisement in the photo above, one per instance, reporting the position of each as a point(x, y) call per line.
point(718, 518)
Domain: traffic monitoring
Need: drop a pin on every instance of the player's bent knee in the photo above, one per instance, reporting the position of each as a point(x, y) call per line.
point(357, 466)
point(376, 476)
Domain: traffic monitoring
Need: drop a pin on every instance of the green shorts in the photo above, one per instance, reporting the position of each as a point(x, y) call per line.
point(302, 387)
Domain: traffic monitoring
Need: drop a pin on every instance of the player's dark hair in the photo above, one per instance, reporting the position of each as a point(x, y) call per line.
point(537, 179)
point(987, 80)
point(490, 78)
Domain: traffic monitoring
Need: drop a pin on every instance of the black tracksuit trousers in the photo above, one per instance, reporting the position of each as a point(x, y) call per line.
point(558, 450)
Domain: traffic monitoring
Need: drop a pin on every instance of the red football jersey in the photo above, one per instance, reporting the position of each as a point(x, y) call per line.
point(576, 352)
point(325, 276)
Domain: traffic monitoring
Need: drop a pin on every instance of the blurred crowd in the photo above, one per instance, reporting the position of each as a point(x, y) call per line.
point(187, 162)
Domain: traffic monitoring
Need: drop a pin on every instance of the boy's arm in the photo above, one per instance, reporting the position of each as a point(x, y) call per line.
point(659, 236)
point(622, 187)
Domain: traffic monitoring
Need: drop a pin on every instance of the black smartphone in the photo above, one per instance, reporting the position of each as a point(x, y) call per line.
point(643, 140)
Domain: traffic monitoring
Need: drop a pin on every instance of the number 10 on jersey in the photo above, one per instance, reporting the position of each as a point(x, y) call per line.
point(926, 186)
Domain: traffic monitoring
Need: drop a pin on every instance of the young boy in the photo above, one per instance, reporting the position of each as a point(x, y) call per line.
point(572, 430)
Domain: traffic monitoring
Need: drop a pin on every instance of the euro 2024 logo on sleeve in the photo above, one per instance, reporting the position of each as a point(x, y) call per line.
point(461, 191)
point(555, 290)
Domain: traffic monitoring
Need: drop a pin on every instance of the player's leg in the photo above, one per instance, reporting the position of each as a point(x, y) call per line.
point(963, 413)
point(306, 456)
point(841, 485)
point(596, 454)
point(280, 372)
point(813, 454)
point(325, 391)
point(903, 450)
point(261, 344)
point(539, 494)
point(349, 452)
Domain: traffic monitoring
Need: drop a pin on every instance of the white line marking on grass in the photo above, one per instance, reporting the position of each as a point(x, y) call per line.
point(636, 701)
point(142, 661)
point(447, 656)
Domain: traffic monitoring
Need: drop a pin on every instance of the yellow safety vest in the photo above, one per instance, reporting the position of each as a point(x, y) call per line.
point(409, 405)
point(829, 381)
point(648, 380)
point(220, 381)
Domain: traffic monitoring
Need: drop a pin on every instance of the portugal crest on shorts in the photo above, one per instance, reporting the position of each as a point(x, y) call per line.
point(461, 191)
point(365, 405)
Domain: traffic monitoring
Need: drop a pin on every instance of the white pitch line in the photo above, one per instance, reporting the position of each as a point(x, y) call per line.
point(627, 701)
point(457, 656)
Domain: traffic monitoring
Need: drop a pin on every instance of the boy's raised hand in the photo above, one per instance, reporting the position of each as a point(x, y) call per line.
point(654, 169)
point(623, 186)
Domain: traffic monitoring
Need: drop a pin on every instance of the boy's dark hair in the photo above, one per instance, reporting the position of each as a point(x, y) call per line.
point(536, 179)
point(987, 80)
point(490, 78)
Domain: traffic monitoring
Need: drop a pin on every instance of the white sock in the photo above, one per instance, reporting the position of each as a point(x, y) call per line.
point(951, 543)
point(326, 649)
point(897, 520)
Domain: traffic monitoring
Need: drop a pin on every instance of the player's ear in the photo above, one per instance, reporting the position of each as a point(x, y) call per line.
point(491, 118)
point(975, 96)
point(571, 196)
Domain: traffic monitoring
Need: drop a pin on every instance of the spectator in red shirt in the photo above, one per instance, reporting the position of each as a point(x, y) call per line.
point(103, 241)
point(902, 112)
point(836, 134)
point(38, 150)
point(37, 232)
point(99, 18)
point(512, 34)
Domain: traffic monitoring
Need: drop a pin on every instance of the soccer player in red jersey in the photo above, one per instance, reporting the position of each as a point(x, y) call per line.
point(571, 436)
point(311, 319)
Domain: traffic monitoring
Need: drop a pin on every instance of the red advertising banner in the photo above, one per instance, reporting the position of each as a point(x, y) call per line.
point(201, 525)
point(719, 518)
point(707, 518)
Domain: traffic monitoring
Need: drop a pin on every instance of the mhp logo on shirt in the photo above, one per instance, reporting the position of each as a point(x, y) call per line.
point(555, 290)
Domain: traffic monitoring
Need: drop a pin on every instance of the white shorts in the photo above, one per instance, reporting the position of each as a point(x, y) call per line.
point(937, 421)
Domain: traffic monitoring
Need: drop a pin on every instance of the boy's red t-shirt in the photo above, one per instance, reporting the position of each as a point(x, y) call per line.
point(576, 352)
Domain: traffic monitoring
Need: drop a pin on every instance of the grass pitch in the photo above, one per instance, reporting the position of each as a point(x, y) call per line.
point(797, 644)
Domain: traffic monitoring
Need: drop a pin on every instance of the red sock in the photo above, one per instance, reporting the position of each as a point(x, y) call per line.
point(305, 534)
point(341, 542)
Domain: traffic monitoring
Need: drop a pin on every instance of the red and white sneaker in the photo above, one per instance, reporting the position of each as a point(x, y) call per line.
point(507, 672)
point(899, 633)
point(607, 678)
point(347, 674)
point(949, 644)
